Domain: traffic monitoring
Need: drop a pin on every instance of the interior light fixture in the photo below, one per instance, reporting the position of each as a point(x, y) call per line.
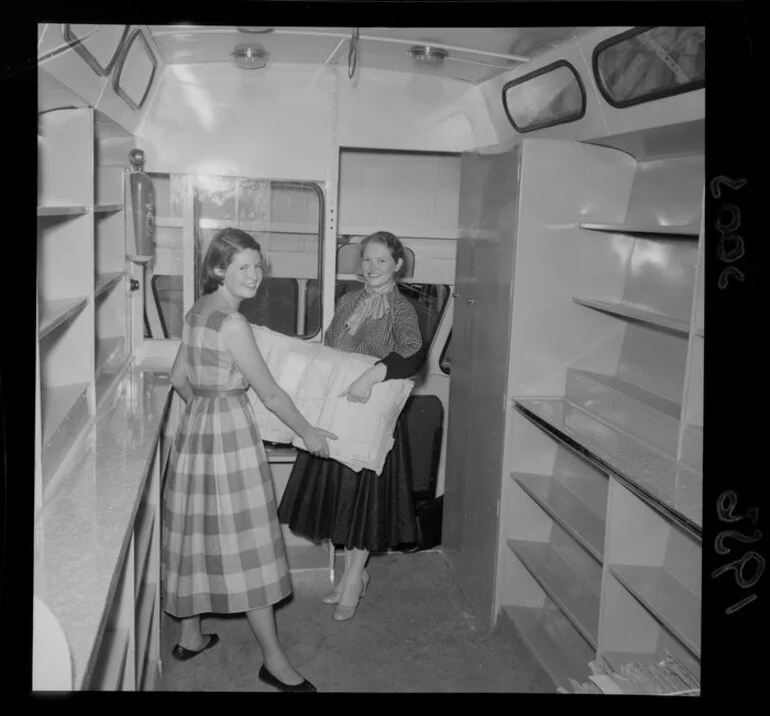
point(257, 30)
point(250, 57)
point(427, 55)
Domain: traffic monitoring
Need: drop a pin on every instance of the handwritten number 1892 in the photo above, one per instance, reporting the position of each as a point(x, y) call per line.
point(725, 505)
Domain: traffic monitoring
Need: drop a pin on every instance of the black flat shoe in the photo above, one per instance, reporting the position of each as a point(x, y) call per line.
point(268, 678)
point(182, 654)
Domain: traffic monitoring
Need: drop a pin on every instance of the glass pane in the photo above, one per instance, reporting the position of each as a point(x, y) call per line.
point(651, 64)
point(98, 45)
point(284, 218)
point(445, 360)
point(164, 302)
point(550, 96)
point(134, 76)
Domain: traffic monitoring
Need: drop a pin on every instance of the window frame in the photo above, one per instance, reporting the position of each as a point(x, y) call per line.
point(549, 122)
point(444, 352)
point(651, 97)
point(127, 45)
point(190, 259)
point(88, 58)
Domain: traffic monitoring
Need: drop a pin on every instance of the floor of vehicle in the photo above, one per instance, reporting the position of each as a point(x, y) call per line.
point(412, 633)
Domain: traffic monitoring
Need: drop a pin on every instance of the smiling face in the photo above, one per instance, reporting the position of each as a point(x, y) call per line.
point(378, 265)
point(243, 275)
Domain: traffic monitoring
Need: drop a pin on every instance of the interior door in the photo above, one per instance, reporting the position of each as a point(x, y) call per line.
point(477, 405)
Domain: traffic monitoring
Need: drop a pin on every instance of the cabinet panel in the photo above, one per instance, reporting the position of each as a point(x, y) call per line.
point(478, 403)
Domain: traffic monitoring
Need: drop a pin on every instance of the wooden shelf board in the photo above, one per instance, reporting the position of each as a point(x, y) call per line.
point(668, 410)
point(561, 582)
point(555, 643)
point(689, 231)
point(636, 313)
point(105, 282)
point(574, 516)
point(107, 208)
point(672, 488)
point(55, 313)
point(61, 210)
point(632, 410)
point(664, 596)
point(589, 492)
point(56, 404)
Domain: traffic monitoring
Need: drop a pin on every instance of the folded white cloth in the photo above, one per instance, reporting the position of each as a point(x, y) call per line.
point(315, 377)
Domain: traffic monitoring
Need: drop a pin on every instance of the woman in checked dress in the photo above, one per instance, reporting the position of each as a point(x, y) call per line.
point(223, 550)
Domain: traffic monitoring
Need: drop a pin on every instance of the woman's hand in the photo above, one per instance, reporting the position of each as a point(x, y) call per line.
point(315, 441)
point(360, 389)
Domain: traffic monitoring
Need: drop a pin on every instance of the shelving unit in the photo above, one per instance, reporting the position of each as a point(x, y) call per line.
point(600, 498)
point(82, 291)
point(636, 313)
point(691, 231)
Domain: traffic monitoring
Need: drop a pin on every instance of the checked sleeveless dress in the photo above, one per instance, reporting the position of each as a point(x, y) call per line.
point(223, 549)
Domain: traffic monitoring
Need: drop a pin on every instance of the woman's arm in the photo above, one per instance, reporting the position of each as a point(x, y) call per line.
point(402, 362)
point(178, 375)
point(239, 341)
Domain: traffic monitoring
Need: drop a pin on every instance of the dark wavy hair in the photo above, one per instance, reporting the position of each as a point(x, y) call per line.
point(393, 244)
point(223, 247)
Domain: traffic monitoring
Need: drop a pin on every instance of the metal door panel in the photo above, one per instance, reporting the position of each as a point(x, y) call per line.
point(485, 261)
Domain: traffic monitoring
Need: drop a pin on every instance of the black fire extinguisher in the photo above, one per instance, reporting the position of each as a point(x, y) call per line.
point(142, 249)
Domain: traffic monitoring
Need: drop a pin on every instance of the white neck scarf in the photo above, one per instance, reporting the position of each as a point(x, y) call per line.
point(373, 305)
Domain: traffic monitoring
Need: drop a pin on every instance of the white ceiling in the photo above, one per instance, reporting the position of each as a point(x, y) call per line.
point(475, 54)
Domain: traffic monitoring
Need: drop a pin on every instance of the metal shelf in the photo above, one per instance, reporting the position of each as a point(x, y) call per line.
point(633, 312)
point(689, 231)
point(55, 313)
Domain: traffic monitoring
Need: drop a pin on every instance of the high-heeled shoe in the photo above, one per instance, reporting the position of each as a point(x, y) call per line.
point(334, 596)
point(268, 678)
point(347, 611)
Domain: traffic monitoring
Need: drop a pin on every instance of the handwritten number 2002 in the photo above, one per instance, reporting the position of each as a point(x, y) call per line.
point(725, 506)
point(727, 232)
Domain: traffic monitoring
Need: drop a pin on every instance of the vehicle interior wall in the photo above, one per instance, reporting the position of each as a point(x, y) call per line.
point(601, 119)
point(287, 121)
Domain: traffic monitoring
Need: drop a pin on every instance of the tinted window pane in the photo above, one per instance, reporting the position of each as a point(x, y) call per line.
point(552, 95)
point(650, 64)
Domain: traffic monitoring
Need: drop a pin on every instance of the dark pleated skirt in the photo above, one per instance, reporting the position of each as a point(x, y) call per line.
point(325, 500)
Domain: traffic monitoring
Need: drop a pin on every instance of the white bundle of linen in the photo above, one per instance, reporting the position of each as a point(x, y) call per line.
point(315, 377)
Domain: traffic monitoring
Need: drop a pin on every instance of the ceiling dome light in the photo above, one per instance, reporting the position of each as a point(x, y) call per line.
point(250, 57)
point(257, 30)
point(427, 55)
